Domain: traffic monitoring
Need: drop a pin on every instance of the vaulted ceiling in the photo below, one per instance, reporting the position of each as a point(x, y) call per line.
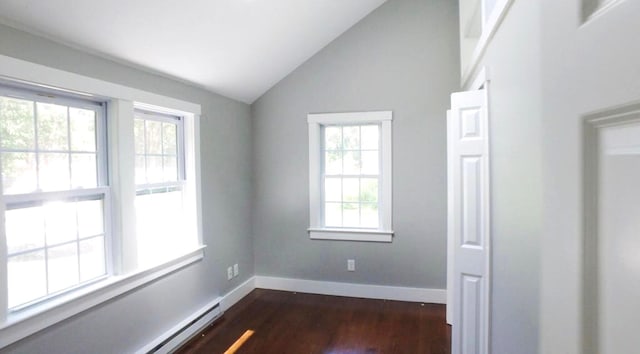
point(237, 48)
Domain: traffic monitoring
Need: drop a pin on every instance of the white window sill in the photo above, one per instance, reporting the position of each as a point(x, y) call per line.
point(25, 322)
point(364, 235)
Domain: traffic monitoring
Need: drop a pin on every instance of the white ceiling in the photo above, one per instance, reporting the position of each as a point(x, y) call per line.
point(237, 48)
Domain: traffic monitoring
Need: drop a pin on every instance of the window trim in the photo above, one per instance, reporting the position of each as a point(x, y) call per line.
point(316, 230)
point(122, 99)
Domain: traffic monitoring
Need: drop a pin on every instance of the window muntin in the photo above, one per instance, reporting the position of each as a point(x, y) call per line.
point(351, 171)
point(52, 167)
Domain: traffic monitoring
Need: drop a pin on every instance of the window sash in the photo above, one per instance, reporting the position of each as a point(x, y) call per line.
point(38, 197)
point(53, 97)
point(145, 115)
point(345, 176)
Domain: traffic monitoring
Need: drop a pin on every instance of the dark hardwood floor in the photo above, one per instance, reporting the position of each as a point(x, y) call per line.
point(268, 321)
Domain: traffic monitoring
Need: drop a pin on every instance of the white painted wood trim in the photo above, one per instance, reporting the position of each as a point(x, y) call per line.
point(315, 217)
point(351, 235)
point(29, 321)
point(450, 220)
point(24, 71)
point(480, 79)
point(238, 293)
point(352, 117)
point(436, 296)
point(386, 195)
point(123, 186)
point(488, 31)
point(592, 153)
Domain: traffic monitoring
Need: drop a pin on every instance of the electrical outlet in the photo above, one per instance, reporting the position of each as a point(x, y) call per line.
point(229, 273)
point(351, 265)
point(236, 271)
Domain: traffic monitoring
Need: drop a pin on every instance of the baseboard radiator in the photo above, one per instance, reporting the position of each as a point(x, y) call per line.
point(171, 340)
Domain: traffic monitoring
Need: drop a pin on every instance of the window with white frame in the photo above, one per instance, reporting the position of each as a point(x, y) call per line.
point(160, 180)
point(52, 161)
point(350, 176)
point(99, 195)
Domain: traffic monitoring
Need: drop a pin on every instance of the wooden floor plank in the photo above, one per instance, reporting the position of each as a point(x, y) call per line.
point(296, 323)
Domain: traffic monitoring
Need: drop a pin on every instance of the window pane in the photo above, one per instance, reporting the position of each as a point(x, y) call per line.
point(62, 267)
point(169, 138)
point(333, 189)
point(19, 172)
point(90, 218)
point(370, 137)
point(369, 215)
point(153, 137)
point(369, 190)
point(60, 222)
point(333, 163)
point(24, 229)
point(170, 167)
point(141, 172)
point(52, 127)
point(352, 162)
point(138, 134)
point(54, 171)
point(370, 163)
point(333, 214)
point(350, 190)
point(333, 138)
point(159, 227)
point(17, 129)
point(83, 129)
point(31, 267)
point(83, 171)
point(351, 214)
point(154, 169)
point(92, 262)
point(351, 137)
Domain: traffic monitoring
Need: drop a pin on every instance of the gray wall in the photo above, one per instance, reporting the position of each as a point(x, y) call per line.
point(131, 321)
point(402, 57)
point(586, 68)
point(512, 60)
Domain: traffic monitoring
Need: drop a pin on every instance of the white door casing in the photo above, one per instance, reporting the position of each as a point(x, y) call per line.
point(611, 267)
point(450, 218)
point(469, 221)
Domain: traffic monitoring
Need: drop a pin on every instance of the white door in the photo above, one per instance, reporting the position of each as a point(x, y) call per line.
point(469, 221)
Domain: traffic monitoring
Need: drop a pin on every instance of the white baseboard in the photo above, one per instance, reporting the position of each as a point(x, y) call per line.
point(436, 296)
point(239, 292)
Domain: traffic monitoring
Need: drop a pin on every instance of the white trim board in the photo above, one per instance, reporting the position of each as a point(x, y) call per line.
point(238, 293)
point(436, 296)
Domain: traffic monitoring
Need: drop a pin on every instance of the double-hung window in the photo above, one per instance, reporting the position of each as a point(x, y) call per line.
point(350, 176)
point(52, 156)
point(160, 184)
